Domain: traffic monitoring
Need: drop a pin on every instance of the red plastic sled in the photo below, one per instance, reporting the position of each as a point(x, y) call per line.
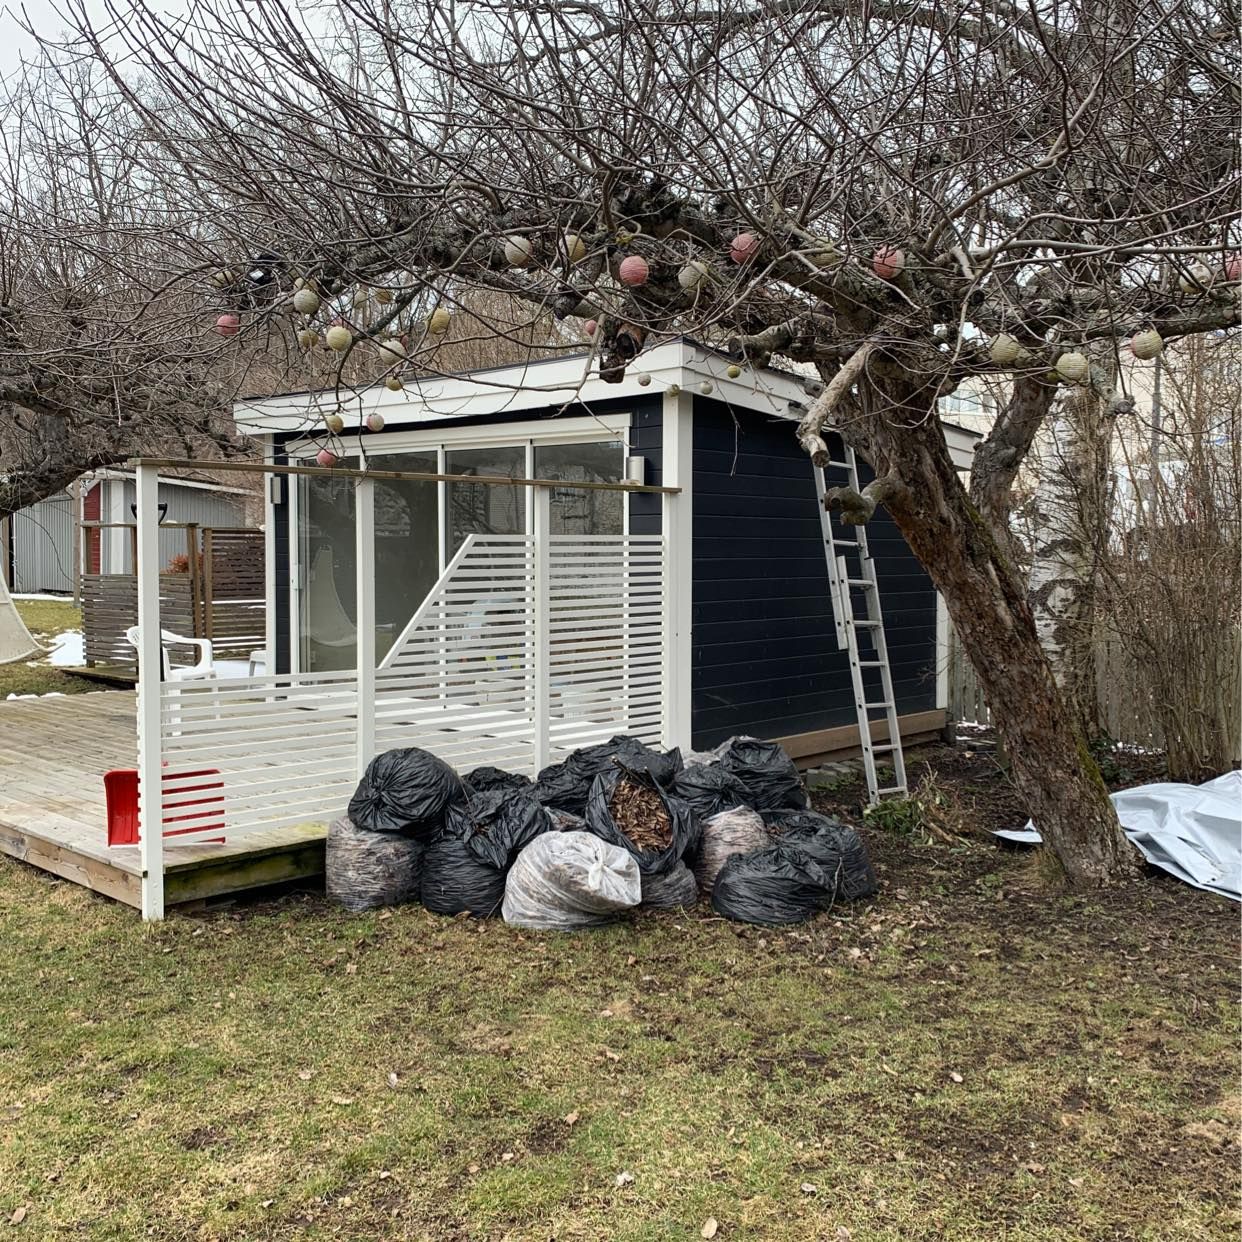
point(121, 797)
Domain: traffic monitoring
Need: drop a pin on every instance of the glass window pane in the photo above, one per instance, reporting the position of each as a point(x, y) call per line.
point(577, 512)
point(407, 561)
point(485, 509)
point(326, 548)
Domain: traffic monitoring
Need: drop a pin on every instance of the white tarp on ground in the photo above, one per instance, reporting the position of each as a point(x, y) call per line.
point(1191, 831)
point(15, 640)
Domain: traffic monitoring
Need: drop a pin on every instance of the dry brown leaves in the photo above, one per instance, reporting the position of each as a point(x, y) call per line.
point(639, 813)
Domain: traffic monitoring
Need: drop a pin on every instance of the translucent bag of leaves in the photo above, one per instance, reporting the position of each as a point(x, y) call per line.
point(566, 880)
point(364, 870)
point(672, 890)
point(736, 831)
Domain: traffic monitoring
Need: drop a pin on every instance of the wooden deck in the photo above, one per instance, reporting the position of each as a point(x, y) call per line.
point(53, 754)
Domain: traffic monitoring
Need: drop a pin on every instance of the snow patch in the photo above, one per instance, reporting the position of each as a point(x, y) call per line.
point(68, 650)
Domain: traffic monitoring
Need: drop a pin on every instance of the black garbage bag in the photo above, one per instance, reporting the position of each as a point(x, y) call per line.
point(835, 846)
point(466, 862)
point(565, 821)
point(772, 886)
point(772, 782)
point(482, 779)
point(365, 870)
point(709, 789)
point(568, 784)
point(672, 890)
point(656, 828)
point(405, 791)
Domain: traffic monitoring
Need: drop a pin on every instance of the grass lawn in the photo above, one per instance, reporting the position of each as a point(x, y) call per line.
point(965, 1057)
point(44, 618)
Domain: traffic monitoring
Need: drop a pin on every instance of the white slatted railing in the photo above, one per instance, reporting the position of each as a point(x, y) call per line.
point(491, 670)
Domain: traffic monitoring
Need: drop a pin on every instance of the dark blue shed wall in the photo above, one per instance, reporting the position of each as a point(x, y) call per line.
point(765, 654)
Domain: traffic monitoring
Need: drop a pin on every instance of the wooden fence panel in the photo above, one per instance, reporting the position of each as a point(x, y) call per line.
point(234, 591)
point(110, 607)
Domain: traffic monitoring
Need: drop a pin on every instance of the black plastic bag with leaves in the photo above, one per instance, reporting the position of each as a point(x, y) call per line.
point(837, 848)
point(405, 791)
point(773, 886)
point(466, 862)
point(669, 828)
point(486, 778)
point(709, 788)
point(771, 779)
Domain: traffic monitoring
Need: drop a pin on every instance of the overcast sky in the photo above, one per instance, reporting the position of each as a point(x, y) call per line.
point(16, 45)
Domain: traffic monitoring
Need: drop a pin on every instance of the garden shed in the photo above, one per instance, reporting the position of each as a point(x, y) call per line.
point(750, 641)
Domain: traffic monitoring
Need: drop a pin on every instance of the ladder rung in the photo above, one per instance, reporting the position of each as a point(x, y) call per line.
point(891, 789)
point(865, 625)
point(885, 703)
point(883, 750)
point(860, 582)
point(842, 543)
point(840, 465)
point(870, 663)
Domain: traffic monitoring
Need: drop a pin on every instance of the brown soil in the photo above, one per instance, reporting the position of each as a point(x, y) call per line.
point(638, 811)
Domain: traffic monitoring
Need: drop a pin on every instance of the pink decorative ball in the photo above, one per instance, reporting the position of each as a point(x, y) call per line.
point(588, 328)
point(887, 262)
point(326, 458)
point(1233, 267)
point(743, 248)
point(634, 270)
point(228, 325)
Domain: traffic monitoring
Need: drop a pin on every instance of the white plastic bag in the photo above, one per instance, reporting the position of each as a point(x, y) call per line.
point(565, 880)
point(739, 831)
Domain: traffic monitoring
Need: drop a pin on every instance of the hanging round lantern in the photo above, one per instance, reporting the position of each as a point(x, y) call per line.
point(888, 262)
point(1195, 279)
point(1073, 367)
point(375, 422)
point(326, 458)
point(733, 371)
point(308, 338)
point(1233, 268)
point(306, 301)
point(393, 384)
point(334, 423)
point(589, 328)
point(743, 248)
point(439, 320)
point(391, 350)
point(1004, 349)
point(673, 390)
point(518, 251)
point(1146, 344)
point(575, 248)
point(339, 337)
point(634, 270)
point(642, 379)
point(693, 274)
point(706, 387)
point(228, 325)
point(224, 279)
point(362, 295)
point(383, 296)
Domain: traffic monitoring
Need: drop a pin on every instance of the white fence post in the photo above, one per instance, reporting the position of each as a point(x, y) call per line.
point(364, 557)
point(150, 658)
point(676, 526)
point(541, 606)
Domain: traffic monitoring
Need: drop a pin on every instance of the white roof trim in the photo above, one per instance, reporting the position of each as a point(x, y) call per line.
point(537, 385)
point(108, 472)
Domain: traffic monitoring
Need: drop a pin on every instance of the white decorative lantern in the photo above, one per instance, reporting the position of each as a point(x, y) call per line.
point(1073, 367)
point(1004, 349)
point(693, 274)
point(1196, 279)
point(575, 248)
point(306, 301)
point(706, 388)
point(362, 295)
point(390, 351)
point(518, 251)
point(438, 321)
point(1146, 344)
point(642, 379)
point(375, 422)
point(334, 423)
point(308, 338)
point(339, 337)
point(733, 371)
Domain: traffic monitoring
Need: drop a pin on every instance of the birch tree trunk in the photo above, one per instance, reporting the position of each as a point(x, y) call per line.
point(1071, 527)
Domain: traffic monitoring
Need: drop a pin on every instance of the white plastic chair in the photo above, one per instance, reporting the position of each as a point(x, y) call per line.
point(203, 668)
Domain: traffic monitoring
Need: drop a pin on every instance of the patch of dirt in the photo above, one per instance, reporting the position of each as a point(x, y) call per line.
point(201, 1139)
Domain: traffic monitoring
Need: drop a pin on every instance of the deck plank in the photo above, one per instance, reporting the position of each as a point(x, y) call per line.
point(53, 815)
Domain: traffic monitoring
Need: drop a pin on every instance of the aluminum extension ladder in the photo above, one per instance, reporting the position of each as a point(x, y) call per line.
point(860, 630)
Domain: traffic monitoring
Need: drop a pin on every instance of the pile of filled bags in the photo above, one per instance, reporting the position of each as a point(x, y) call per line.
point(614, 826)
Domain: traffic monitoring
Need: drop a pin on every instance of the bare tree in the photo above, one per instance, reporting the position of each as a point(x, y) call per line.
point(903, 195)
